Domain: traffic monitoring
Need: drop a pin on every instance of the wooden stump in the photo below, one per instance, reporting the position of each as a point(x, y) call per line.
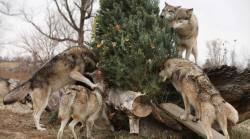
point(134, 104)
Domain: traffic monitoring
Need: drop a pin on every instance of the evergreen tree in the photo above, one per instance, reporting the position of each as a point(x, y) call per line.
point(133, 42)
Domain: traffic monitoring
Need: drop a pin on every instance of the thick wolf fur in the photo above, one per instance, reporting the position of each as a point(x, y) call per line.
point(186, 32)
point(83, 106)
point(63, 69)
point(168, 12)
point(197, 90)
point(185, 24)
point(8, 84)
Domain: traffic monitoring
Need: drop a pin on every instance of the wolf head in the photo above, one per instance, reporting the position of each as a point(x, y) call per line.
point(182, 18)
point(14, 83)
point(166, 72)
point(168, 12)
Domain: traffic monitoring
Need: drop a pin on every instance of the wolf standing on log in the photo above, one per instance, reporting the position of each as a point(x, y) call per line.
point(185, 24)
point(63, 69)
point(197, 90)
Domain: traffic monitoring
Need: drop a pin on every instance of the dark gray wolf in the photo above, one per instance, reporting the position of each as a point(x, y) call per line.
point(197, 90)
point(63, 69)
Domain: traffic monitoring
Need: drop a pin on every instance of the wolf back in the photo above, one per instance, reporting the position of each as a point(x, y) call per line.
point(63, 69)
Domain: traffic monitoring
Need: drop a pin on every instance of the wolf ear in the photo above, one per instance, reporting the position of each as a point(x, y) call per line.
point(190, 12)
point(177, 7)
point(166, 4)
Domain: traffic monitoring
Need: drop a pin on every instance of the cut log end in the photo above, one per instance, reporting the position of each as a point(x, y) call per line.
point(141, 106)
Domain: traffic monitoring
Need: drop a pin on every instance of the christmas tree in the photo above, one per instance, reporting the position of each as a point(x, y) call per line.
point(133, 42)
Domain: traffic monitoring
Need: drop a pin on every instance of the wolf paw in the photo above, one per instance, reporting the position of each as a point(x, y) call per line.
point(183, 117)
point(41, 129)
point(195, 119)
point(112, 129)
point(94, 86)
point(82, 128)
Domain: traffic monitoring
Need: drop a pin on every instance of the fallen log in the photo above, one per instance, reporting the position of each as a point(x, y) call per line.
point(234, 87)
point(134, 104)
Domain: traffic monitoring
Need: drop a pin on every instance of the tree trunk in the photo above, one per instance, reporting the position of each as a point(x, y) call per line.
point(234, 87)
point(134, 104)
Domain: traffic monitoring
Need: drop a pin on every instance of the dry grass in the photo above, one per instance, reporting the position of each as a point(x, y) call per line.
point(8, 65)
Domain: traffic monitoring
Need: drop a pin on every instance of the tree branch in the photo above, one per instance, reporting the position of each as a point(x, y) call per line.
point(64, 17)
point(49, 36)
point(70, 15)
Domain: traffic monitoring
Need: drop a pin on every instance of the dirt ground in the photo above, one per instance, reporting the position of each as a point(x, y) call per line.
point(21, 126)
point(16, 125)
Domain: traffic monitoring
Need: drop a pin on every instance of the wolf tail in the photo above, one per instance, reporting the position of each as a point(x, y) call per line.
point(17, 94)
point(99, 97)
point(230, 112)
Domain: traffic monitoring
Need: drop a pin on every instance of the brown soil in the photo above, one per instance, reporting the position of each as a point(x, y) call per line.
point(21, 126)
point(15, 125)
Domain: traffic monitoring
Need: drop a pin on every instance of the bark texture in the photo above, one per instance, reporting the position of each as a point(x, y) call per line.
point(234, 87)
point(133, 104)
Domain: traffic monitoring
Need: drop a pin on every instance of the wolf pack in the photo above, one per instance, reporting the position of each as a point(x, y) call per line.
point(87, 106)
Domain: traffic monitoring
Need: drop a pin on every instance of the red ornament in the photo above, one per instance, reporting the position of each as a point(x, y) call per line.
point(117, 27)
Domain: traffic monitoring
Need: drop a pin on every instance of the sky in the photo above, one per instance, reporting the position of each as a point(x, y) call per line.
point(227, 20)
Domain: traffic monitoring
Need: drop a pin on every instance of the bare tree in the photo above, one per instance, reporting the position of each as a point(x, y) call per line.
point(72, 14)
point(233, 55)
point(41, 47)
point(217, 53)
point(6, 8)
point(2, 28)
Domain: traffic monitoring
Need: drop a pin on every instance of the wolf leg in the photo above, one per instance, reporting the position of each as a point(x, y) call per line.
point(222, 120)
point(79, 77)
point(187, 107)
point(207, 128)
point(89, 125)
point(83, 121)
point(72, 126)
point(188, 52)
point(195, 52)
point(207, 117)
point(197, 112)
point(63, 124)
point(181, 50)
point(40, 98)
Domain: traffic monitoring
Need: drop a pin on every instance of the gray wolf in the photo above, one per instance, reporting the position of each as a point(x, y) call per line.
point(62, 70)
point(168, 12)
point(83, 106)
point(6, 85)
point(185, 24)
point(197, 90)
point(186, 32)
